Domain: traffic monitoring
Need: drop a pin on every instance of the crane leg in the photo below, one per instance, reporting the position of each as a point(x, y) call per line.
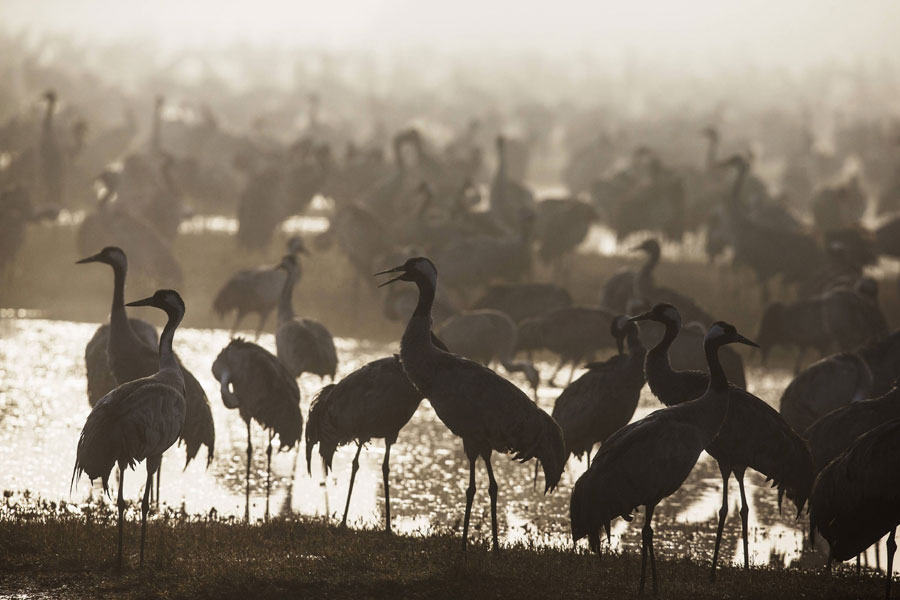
point(268, 473)
point(723, 514)
point(745, 511)
point(559, 367)
point(152, 467)
point(352, 479)
point(237, 321)
point(492, 491)
point(262, 323)
point(891, 549)
point(878, 554)
point(121, 506)
point(470, 493)
point(647, 548)
point(858, 566)
point(158, 477)
point(249, 462)
point(385, 470)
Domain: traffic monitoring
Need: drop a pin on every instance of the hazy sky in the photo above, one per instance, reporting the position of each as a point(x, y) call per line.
point(793, 32)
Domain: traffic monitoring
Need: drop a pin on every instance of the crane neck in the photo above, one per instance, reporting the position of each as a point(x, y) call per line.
point(417, 349)
point(718, 382)
point(285, 303)
point(634, 343)
point(118, 318)
point(426, 299)
point(658, 356)
point(168, 362)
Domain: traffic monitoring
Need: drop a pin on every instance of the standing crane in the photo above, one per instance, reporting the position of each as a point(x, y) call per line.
point(856, 498)
point(575, 333)
point(375, 401)
point(487, 411)
point(255, 382)
point(139, 420)
point(255, 290)
point(303, 345)
point(832, 434)
point(129, 357)
point(604, 399)
point(648, 460)
point(486, 335)
point(825, 386)
point(752, 435)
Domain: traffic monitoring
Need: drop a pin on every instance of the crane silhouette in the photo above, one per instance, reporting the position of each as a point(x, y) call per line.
point(303, 345)
point(256, 383)
point(752, 435)
point(139, 420)
point(487, 411)
point(662, 447)
point(485, 335)
point(823, 387)
point(375, 401)
point(832, 434)
point(856, 497)
point(604, 399)
point(255, 290)
point(129, 357)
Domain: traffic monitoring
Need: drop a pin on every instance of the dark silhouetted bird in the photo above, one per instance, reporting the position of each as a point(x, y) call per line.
point(139, 420)
point(488, 412)
point(255, 382)
point(753, 434)
point(303, 345)
point(375, 401)
point(856, 497)
point(604, 399)
point(648, 460)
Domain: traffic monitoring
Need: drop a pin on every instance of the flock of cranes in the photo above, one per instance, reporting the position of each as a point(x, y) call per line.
point(833, 445)
point(844, 464)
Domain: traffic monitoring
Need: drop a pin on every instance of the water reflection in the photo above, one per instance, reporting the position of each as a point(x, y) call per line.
point(43, 404)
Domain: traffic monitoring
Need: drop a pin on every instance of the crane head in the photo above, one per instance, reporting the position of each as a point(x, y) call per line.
point(415, 269)
point(295, 245)
point(721, 333)
point(166, 300)
point(288, 263)
point(650, 246)
point(111, 255)
point(619, 328)
point(663, 313)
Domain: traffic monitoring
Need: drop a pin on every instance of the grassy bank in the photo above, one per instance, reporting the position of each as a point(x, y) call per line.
point(68, 551)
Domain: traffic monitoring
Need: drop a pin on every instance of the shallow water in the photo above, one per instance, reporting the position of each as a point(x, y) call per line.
point(43, 405)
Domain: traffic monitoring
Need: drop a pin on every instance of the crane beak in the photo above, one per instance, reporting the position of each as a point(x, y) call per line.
point(144, 302)
point(742, 340)
point(641, 317)
point(89, 259)
point(394, 270)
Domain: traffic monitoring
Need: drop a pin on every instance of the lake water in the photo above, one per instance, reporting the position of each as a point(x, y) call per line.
point(43, 405)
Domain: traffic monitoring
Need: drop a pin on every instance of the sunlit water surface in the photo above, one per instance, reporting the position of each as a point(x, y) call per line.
point(43, 405)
